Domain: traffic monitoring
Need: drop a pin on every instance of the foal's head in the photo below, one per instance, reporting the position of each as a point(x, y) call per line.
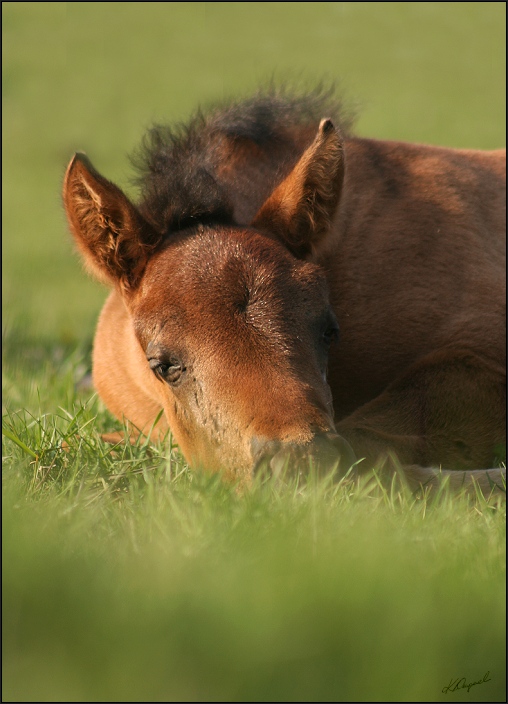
point(234, 321)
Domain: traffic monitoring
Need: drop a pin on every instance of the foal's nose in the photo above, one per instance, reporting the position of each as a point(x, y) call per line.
point(325, 452)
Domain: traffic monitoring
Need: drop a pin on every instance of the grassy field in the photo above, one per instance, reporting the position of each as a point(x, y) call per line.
point(126, 577)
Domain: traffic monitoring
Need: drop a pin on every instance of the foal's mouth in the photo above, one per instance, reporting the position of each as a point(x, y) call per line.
point(326, 453)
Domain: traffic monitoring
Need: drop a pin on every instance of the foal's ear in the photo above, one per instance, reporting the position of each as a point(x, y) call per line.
point(300, 210)
point(113, 238)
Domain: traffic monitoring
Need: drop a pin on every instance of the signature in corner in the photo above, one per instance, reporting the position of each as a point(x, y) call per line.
point(461, 683)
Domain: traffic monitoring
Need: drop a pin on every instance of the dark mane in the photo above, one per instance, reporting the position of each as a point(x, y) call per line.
point(193, 173)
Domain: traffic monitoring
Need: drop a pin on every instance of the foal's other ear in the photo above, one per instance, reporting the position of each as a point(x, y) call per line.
point(300, 210)
point(113, 238)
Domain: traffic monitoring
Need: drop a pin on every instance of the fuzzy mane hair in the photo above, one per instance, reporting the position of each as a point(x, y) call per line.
point(221, 165)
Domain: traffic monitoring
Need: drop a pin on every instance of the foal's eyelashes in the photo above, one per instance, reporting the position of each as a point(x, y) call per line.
point(169, 369)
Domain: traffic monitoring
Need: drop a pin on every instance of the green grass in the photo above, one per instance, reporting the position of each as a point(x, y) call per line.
point(126, 576)
point(129, 578)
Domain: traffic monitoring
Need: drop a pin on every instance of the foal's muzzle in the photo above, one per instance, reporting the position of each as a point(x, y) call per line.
point(325, 453)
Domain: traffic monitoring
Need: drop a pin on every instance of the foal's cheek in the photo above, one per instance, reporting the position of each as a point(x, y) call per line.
point(178, 421)
point(184, 418)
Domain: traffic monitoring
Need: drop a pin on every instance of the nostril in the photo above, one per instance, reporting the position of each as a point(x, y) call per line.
point(256, 446)
point(262, 448)
point(327, 451)
point(344, 449)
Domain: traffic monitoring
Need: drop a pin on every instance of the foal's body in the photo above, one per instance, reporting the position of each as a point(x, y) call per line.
point(411, 239)
point(431, 298)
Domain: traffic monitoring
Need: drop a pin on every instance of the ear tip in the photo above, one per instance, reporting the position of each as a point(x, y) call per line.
point(79, 163)
point(326, 125)
point(80, 158)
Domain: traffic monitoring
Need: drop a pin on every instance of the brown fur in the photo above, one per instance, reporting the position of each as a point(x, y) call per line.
point(406, 242)
point(317, 178)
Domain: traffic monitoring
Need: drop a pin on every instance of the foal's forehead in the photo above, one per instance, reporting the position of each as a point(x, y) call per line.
point(230, 256)
point(227, 285)
point(221, 277)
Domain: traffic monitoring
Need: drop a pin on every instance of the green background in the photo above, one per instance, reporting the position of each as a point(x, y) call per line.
point(92, 76)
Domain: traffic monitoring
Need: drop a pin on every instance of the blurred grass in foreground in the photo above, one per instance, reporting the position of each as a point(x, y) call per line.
point(129, 578)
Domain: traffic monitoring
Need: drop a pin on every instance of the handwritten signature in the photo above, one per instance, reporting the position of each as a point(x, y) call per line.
point(462, 684)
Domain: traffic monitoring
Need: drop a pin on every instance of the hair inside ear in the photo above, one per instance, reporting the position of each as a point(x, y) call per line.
point(113, 238)
point(300, 210)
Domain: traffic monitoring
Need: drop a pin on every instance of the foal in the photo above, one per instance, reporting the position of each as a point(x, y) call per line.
point(285, 290)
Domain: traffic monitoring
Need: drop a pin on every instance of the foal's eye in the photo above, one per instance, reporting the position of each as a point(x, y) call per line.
point(167, 370)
